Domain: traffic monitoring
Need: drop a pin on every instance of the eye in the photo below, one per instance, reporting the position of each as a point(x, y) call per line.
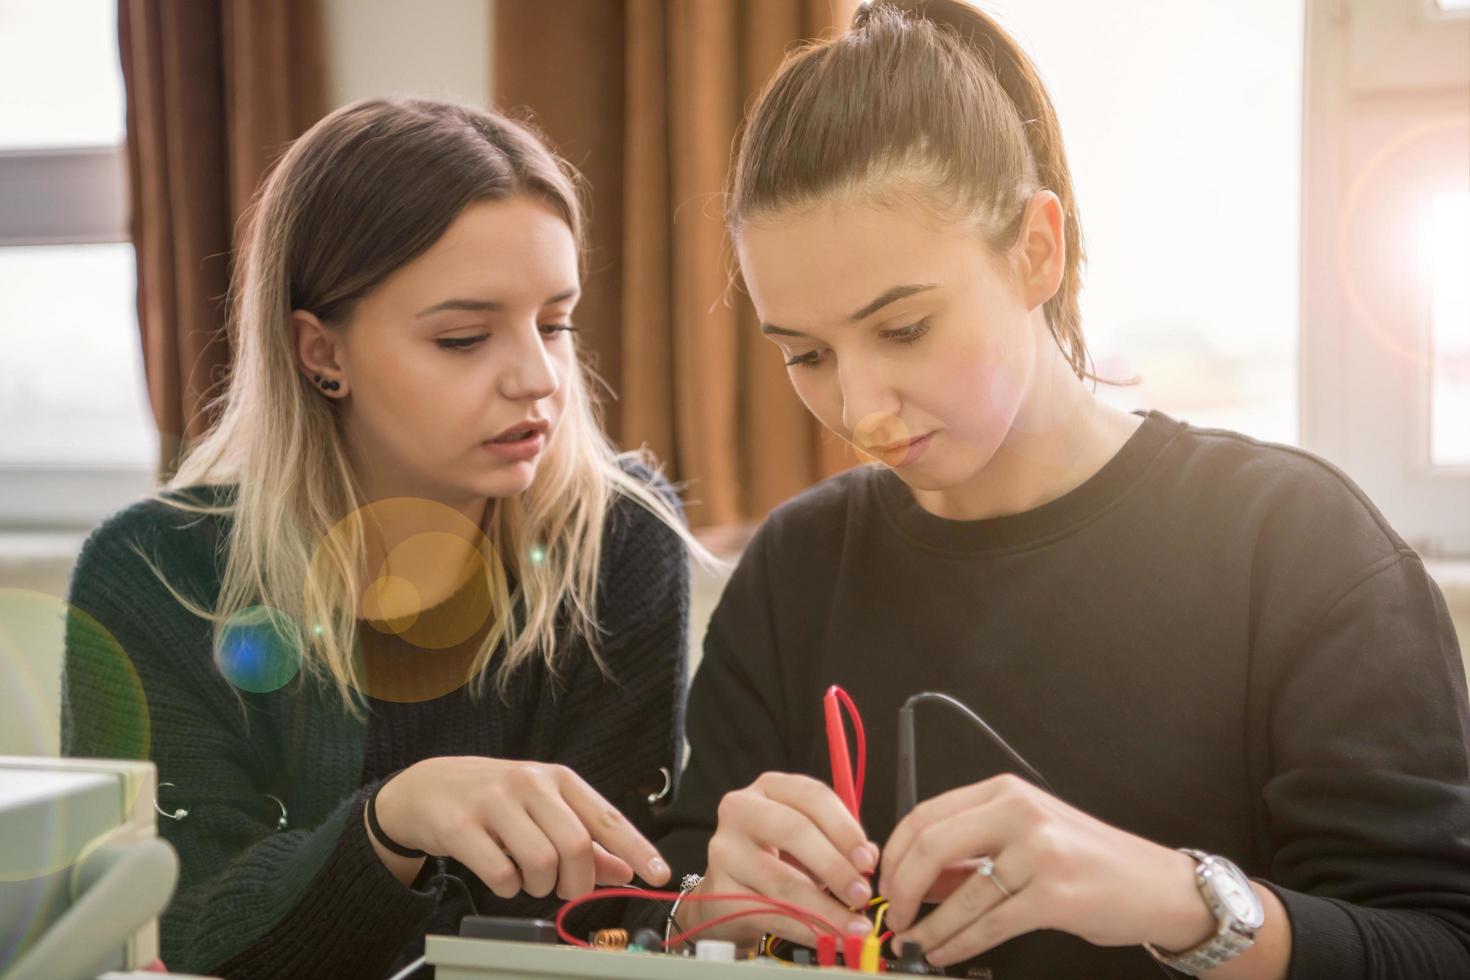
point(809, 359)
point(460, 343)
point(552, 329)
point(909, 334)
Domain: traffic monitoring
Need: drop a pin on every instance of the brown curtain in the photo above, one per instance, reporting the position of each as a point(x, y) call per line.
point(645, 97)
point(215, 89)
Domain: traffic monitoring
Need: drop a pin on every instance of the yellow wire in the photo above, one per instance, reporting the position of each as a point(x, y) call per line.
point(878, 920)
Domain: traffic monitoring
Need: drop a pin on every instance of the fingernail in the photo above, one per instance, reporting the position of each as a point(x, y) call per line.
point(938, 957)
point(859, 927)
point(875, 854)
point(656, 867)
point(862, 857)
point(858, 893)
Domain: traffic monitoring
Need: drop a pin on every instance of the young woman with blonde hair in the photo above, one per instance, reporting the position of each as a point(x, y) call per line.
point(1186, 638)
point(404, 599)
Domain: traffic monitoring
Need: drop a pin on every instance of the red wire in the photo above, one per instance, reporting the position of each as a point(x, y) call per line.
point(862, 742)
point(681, 937)
point(795, 912)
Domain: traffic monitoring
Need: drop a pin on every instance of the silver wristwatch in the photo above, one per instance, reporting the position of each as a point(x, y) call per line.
point(1237, 910)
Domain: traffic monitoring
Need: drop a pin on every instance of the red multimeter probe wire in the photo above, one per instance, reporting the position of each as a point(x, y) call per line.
point(849, 789)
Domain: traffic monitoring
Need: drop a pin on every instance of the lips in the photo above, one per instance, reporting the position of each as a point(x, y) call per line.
point(522, 431)
point(903, 453)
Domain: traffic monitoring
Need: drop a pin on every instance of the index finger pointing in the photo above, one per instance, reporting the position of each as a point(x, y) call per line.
point(614, 831)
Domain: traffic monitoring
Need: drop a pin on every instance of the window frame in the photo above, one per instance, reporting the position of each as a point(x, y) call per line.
point(1355, 408)
point(65, 196)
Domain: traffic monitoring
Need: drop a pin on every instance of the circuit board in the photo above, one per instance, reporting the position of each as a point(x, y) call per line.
point(458, 958)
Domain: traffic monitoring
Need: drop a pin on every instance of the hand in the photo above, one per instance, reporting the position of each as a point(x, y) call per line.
point(518, 826)
point(787, 837)
point(1064, 870)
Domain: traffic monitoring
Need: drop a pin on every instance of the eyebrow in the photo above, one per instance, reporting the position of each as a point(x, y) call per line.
point(886, 297)
point(489, 305)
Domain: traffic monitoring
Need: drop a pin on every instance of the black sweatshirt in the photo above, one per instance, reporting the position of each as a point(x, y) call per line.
point(313, 899)
point(1212, 643)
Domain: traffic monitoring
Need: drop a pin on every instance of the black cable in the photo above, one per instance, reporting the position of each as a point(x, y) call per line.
point(908, 775)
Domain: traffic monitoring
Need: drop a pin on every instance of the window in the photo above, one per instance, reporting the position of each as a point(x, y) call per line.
point(79, 438)
point(1186, 158)
point(1386, 316)
point(1447, 256)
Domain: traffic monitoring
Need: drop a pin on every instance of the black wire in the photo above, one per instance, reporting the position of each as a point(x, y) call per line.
point(984, 727)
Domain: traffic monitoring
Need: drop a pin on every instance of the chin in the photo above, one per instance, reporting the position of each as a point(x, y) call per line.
point(506, 480)
point(944, 471)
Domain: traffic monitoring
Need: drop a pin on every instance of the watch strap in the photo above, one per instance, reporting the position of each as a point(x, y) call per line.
point(1228, 942)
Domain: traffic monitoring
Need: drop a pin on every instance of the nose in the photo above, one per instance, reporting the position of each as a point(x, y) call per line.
point(531, 374)
point(870, 404)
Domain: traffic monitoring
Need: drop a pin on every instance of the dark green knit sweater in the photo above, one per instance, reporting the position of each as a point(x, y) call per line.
point(312, 899)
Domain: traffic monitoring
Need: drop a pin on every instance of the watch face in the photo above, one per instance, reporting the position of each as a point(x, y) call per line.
point(1235, 892)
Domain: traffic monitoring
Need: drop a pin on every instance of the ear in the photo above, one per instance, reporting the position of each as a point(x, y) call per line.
point(318, 352)
point(1041, 250)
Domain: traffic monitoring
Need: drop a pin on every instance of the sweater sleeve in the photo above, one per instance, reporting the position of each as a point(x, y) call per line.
point(251, 900)
point(634, 698)
point(1369, 799)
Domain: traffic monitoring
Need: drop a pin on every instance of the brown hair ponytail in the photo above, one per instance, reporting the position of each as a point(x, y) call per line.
point(918, 96)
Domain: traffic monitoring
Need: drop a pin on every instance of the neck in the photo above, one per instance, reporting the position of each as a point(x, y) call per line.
point(1061, 436)
point(421, 545)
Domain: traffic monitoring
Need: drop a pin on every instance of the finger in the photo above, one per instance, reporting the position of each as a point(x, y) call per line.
point(576, 872)
point(965, 835)
point(1014, 917)
point(974, 898)
point(530, 849)
point(935, 809)
point(763, 873)
point(609, 868)
point(476, 850)
point(609, 827)
point(774, 825)
point(949, 879)
point(824, 809)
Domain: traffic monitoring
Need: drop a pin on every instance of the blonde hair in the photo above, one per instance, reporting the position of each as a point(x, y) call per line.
point(363, 192)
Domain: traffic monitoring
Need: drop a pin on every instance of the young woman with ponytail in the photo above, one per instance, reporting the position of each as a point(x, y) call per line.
point(1196, 641)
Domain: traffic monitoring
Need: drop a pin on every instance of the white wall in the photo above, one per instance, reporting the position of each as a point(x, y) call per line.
point(434, 48)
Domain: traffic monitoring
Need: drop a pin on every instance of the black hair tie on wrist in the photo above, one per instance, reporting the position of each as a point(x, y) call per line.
point(377, 828)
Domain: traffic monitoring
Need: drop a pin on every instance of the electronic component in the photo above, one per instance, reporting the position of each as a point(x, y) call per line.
point(610, 939)
point(872, 952)
point(646, 940)
point(504, 927)
point(911, 960)
point(826, 950)
point(715, 950)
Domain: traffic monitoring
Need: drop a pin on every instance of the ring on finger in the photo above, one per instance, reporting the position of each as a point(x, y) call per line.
point(986, 869)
